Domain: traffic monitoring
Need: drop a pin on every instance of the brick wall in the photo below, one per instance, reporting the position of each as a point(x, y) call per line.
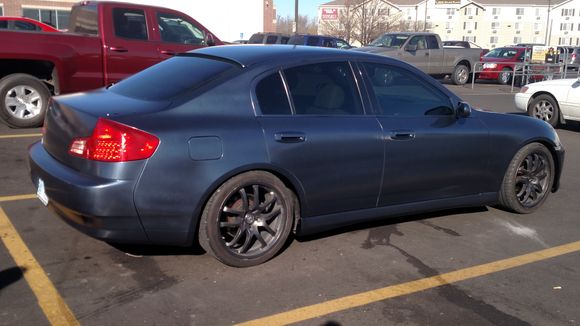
point(269, 16)
point(14, 7)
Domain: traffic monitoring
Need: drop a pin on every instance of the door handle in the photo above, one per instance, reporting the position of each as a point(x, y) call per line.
point(168, 52)
point(118, 49)
point(289, 137)
point(402, 135)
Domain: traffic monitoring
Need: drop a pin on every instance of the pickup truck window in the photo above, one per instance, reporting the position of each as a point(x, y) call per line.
point(130, 23)
point(85, 20)
point(176, 75)
point(432, 42)
point(419, 41)
point(390, 40)
point(176, 29)
point(399, 92)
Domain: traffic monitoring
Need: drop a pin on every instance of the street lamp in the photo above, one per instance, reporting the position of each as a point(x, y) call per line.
point(295, 25)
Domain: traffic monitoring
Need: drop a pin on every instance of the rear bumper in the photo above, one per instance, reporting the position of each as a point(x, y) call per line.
point(99, 207)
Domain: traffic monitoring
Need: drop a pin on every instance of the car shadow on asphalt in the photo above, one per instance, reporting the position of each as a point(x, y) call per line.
point(390, 221)
point(158, 250)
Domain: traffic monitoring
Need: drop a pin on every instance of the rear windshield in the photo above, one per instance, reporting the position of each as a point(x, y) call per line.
point(171, 78)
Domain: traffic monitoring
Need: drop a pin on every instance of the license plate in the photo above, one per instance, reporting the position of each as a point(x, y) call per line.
point(41, 193)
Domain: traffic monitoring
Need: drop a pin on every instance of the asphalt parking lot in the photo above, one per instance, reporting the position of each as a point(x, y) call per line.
point(479, 266)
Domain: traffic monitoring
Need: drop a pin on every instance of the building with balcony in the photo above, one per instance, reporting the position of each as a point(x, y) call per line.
point(489, 23)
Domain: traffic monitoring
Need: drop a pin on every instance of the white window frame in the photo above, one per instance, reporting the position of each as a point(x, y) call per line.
point(493, 39)
point(496, 11)
point(495, 25)
point(520, 11)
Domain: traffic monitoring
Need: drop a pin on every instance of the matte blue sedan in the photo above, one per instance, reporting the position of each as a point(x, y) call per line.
point(236, 147)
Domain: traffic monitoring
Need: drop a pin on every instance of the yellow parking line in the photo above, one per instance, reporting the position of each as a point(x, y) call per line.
point(17, 197)
point(55, 309)
point(357, 300)
point(20, 136)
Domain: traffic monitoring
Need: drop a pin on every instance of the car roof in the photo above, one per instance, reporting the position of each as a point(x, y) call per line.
point(249, 55)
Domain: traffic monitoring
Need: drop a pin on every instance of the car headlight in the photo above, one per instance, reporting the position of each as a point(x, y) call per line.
point(490, 65)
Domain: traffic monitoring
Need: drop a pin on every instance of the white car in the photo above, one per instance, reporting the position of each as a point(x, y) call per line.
point(553, 101)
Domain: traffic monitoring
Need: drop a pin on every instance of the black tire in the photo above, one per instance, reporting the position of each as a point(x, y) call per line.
point(460, 75)
point(242, 232)
point(545, 107)
point(528, 180)
point(505, 76)
point(23, 101)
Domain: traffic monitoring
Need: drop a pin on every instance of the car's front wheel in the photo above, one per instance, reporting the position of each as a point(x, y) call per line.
point(247, 220)
point(528, 179)
point(544, 107)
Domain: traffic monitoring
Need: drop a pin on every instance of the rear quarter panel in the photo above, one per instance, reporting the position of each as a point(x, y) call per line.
point(76, 58)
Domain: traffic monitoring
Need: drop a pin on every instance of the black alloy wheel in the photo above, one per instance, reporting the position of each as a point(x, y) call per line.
point(247, 220)
point(528, 180)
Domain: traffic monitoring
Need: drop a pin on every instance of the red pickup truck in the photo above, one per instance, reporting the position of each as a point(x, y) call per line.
point(106, 42)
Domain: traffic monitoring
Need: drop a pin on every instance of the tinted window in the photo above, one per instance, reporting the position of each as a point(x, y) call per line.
point(323, 88)
point(3, 24)
point(256, 39)
point(130, 23)
point(25, 26)
point(284, 39)
point(296, 39)
point(432, 42)
point(342, 44)
point(271, 39)
point(312, 40)
point(177, 29)
point(327, 43)
point(177, 75)
point(272, 96)
point(399, 92)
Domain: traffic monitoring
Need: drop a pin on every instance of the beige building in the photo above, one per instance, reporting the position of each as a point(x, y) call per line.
point(489, 23)
point(227, 19)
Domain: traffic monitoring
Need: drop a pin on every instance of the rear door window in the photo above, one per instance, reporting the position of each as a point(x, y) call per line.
point(324, 89)
point(130, 23)
point(272, 97)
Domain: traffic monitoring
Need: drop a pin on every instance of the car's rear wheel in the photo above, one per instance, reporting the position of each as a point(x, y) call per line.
point(247, 220)
point(23, 100)
point(528, 179)
point(545, 107)
point(505, 76)
point(460, 75)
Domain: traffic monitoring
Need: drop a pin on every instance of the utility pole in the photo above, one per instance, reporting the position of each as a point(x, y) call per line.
point(295, 25)
point(546, 40)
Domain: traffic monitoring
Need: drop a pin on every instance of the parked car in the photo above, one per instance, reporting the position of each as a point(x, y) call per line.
point(569, 55)
point(464, 44)
point(106, 42)
point(425, 51)
point(319, 40)
point(500, 63)
point(239, 148)
point(24, 24)
point(553, 101)
point(269, 38)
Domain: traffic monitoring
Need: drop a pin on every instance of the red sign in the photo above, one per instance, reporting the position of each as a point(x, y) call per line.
point(329, 14)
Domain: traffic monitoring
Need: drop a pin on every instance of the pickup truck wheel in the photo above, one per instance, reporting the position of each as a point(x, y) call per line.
point(460, 75)
point(23, 101)
point(505, 76)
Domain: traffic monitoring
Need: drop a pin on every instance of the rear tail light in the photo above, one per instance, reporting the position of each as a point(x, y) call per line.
point(573, 57)
point(114, 142)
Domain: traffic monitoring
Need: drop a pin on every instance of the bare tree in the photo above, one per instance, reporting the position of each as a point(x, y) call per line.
point(363, 21)
point(306, 25)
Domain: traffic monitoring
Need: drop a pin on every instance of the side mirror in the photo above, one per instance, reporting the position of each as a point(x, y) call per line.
point(209, 39)
point(463, 110)
point(411, 47)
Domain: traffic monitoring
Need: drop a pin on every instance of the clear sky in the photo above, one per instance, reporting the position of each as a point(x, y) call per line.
point(305, 7)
